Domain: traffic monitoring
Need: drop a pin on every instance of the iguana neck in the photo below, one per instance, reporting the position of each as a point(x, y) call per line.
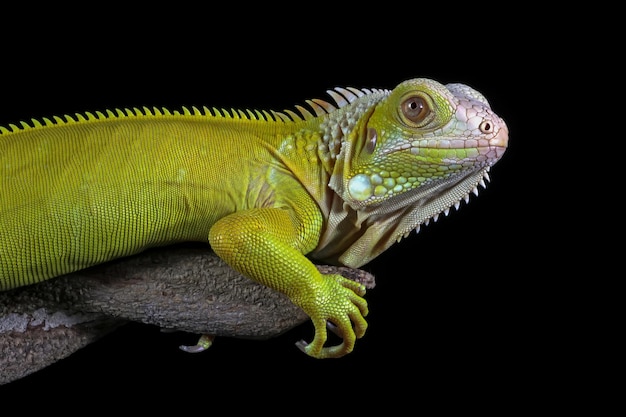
point(339, 127)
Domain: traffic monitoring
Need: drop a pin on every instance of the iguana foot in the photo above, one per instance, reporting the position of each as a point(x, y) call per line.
point(339, 307)
point(205, 342)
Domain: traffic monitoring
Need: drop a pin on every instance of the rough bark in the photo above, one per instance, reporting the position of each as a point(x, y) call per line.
point(188, 289)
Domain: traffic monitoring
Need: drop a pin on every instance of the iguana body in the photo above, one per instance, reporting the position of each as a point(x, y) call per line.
point(268, 190)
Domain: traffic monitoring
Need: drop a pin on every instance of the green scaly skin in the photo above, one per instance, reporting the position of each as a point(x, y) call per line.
point(270, 191)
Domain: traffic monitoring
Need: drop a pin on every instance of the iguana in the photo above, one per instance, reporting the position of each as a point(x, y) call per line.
point(270, 191)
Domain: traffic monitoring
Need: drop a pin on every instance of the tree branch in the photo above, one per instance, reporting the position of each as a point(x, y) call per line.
point(180, 288)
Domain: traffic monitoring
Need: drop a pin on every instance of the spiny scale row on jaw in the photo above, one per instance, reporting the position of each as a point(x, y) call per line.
point(341, 96)
point(456, 205)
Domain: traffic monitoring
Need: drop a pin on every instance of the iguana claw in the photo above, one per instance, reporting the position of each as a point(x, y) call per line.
point(302, 344)
point(333, 328)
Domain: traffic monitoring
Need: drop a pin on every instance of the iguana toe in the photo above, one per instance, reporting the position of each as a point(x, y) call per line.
point(204, 342)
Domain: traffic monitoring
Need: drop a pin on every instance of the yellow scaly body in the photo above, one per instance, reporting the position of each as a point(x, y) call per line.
point(268, 190)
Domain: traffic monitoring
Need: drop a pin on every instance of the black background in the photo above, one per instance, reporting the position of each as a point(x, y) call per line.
point(454, 317)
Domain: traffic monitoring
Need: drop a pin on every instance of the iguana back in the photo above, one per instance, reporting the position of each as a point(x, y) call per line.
point(78, 194)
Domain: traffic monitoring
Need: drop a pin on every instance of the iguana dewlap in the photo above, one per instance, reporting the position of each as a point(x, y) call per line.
point(270, 191)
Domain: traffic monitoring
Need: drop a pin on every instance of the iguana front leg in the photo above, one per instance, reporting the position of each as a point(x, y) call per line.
point(268, 245)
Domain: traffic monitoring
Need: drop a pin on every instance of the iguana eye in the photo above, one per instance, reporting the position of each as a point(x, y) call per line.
point(415, 109)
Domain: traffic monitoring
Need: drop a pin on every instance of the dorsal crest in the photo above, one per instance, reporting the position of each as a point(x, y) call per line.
point(340, 96)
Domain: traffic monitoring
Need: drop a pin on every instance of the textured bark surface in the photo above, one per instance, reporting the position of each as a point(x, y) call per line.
point(188, 289)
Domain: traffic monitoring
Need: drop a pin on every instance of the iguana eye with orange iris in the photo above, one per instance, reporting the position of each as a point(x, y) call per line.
point(415, 109)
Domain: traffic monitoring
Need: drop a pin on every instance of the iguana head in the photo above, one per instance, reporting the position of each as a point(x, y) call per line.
point(418, 150)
